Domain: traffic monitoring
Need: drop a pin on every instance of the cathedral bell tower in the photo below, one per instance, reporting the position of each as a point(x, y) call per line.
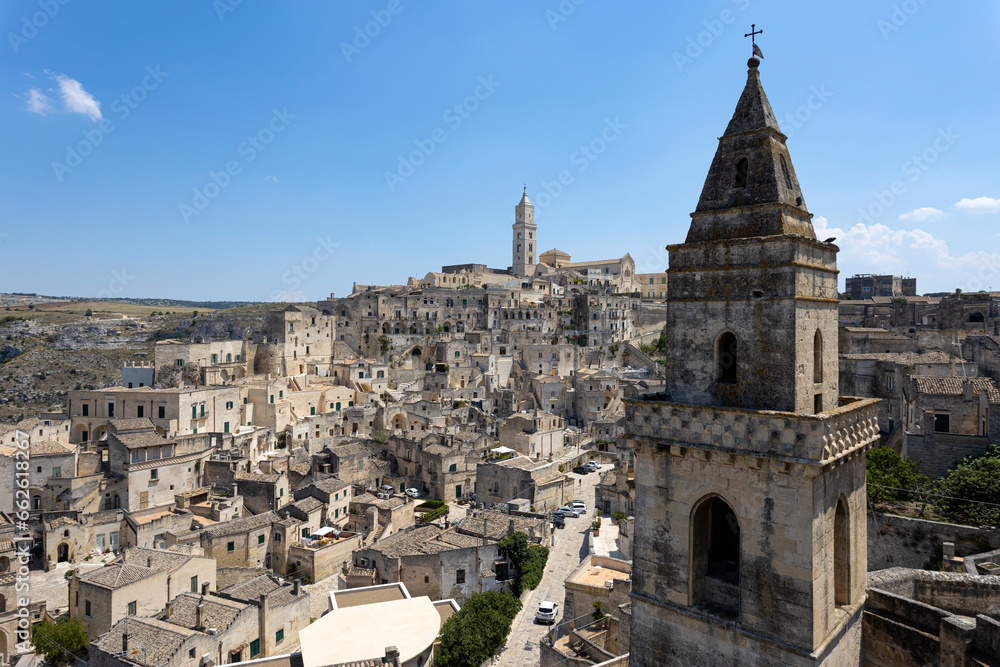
point(525, 241)
point(750, 535)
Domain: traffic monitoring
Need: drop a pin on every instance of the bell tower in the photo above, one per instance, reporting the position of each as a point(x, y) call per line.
point(525, 241)
point(750, 538)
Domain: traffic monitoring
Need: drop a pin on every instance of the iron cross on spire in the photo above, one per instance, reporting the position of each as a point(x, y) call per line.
point(752, 35)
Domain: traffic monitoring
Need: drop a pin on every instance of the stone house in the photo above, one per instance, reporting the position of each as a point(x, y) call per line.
point(598, 578)
point(173, 411)
point(540, 482)
point(537, 435)
point(308, 512)
point(210, 362)
point(151, 468)
point(884, 375)
point(949, 418)
point(263, 492)
point(334, 496)
point(367, 513)
point(616, 492)
point(282, 610)
point(139, 583)
point(432, 561)
point(68, 539)
point(243, 542)
point(319, 558)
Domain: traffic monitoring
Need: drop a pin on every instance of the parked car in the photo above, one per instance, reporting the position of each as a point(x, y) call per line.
point(566, 510)
point(558, 520)
point(581, 470)
point(413, 493)
point(579, 506)
point(546, 612)
point(593, 466)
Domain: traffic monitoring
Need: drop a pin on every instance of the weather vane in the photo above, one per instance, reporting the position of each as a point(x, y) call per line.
point(752, 35)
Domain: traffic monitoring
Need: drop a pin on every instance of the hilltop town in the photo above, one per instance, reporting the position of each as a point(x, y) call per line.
point(332, 481)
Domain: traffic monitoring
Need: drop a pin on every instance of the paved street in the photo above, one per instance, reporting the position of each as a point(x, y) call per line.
point(564, 557)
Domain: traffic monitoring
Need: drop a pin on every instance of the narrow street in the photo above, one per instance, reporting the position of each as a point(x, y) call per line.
point(570, 548)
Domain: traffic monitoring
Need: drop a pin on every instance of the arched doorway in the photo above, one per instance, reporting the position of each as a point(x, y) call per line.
point(715, 556)
point(62, 552)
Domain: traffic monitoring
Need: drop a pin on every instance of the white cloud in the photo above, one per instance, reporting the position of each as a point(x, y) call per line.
point(38, 102)
point(979, 205)
point(877, 248)
point(922, 214)
point(270, 178)
point(76, 99)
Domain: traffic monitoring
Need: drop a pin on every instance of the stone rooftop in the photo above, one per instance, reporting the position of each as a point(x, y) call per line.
point(243, 525)
point(117, 575)
point(154, 641)
point(158, 559)
point(267, 478)
point(251, 589)
point(952, 386)
point(428, 539)
point(219, 612)
point(135, 424)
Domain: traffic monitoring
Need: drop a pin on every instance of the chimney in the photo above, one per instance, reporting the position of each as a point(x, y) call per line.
point(204, 588)
point(262, 614)
point(295, 588)
point(149, 561)
point(200, 615)
point(169, 609)
point(124, 642)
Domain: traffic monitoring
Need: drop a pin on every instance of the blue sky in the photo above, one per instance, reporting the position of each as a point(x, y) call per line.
point(264, 150)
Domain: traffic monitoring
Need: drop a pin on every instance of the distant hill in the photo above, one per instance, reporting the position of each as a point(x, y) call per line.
point(178, 303)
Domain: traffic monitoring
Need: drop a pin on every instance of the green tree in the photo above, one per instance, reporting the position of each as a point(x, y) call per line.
point(473, 634)
point(890, 477)
point(529, 562)
point(974, 478)
point(598, 606)
point(53, 640)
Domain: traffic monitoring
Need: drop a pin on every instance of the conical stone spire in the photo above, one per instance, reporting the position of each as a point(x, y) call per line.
point(751, 189)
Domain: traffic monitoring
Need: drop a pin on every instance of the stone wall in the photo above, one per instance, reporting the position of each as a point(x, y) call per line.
point(936, 452)
point(916, 617)
point(916, 543)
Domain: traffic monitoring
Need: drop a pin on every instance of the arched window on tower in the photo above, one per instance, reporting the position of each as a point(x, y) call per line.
point(726, 358)
point(742, 167)
point(841, 554)
point(784, 170)
point(715, 555)
point(818, 357)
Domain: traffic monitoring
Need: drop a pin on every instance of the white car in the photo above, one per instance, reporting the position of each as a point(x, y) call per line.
point(567, 511)
point(579, 506)
point(413, 493)
point(593, 466)
point(546, 612)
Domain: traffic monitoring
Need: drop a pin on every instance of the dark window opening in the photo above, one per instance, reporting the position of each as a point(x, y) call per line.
point(818, 357)
point(942, 423)
point(726, 358)
point(742, 167)
point(841, 555)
